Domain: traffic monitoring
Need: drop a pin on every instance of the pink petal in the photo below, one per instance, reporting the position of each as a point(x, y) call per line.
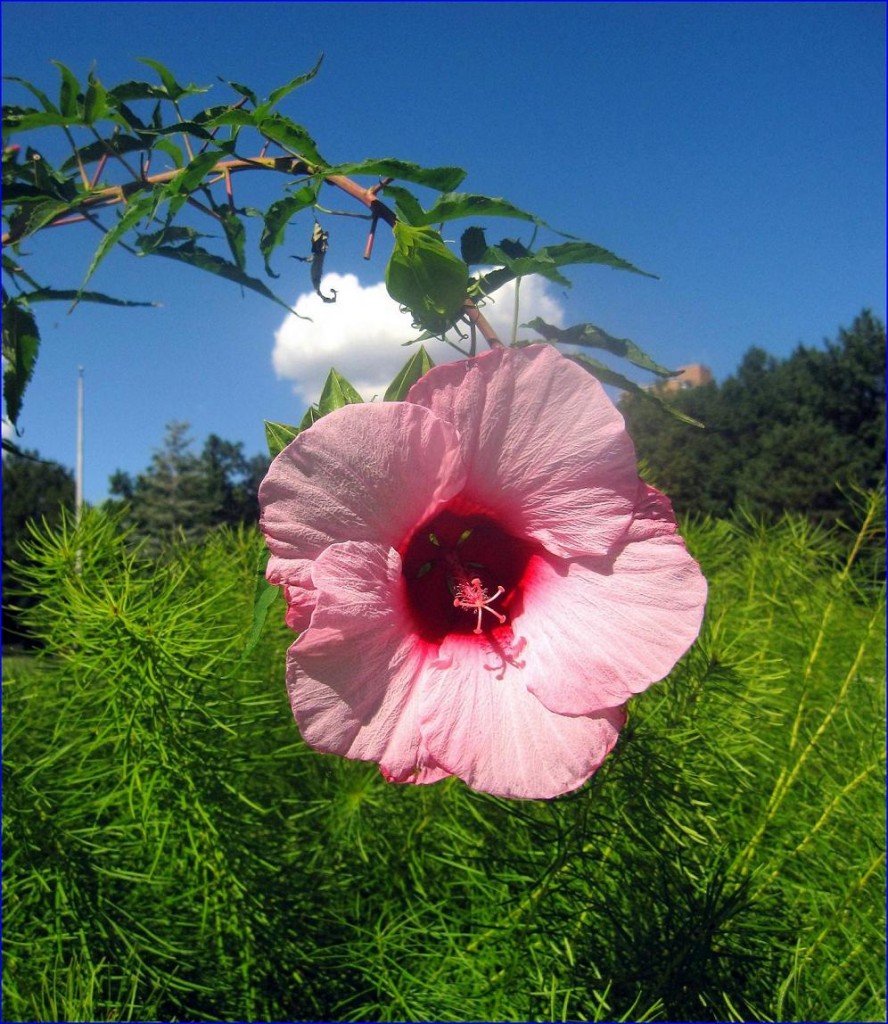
point(598, 630)
point(352, 676)
point(365, 472)
point(546, 451)
point(483, 725)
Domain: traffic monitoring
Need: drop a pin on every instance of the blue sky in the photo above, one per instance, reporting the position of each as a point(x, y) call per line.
point(736, 150)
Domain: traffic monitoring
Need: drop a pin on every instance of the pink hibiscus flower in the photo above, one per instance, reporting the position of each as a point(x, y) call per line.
point(479, 578)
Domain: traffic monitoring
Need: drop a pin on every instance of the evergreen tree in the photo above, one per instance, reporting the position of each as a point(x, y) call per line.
point(182, 494)
point(781, 435)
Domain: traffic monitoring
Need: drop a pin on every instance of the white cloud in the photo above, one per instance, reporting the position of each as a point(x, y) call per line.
point(362, 334)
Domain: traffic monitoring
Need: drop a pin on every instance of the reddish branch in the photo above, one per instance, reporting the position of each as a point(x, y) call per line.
point(114, 194)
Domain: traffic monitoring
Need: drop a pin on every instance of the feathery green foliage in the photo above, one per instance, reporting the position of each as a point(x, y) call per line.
point(174, 851)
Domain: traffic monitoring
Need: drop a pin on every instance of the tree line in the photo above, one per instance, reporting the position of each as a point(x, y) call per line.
point(781, 435)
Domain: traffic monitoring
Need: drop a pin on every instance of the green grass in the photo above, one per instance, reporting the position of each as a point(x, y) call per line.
point(173, 851)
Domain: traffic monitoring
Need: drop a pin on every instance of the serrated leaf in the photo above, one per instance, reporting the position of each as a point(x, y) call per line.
point(238, 117)
point(170, 234)
point(242, 90)
point(68, 92)
point(278, 216)
point(608, 376)
point(426, 277)
point(116, 145)
point(546, 261)
point(293, 137)
point(44, 100)
point(195, 256)
point(442, 179)
point(95, 102)
point(71, 295)
point(21, 342)
point(278, 94)
point(139, 207)
point(172, 87)
point(32, 216)
point(235, 235)
point(336, 393)
point(407, 206)
point(455, 205)
point(278, 436)
point(126, 92)
point(590, 336)
point(173, 151)
point(416, 366)
point(192, 175)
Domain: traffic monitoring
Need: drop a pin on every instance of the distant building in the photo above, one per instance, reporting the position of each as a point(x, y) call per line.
point(694, 375)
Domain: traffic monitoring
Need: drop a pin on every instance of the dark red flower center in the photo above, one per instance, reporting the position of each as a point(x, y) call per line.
point(463, 574)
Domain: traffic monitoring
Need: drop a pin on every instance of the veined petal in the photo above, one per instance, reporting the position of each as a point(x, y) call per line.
point(353, 675)
point(545, 449)
point(362, 473)
point(485, 727)
point(598, 630)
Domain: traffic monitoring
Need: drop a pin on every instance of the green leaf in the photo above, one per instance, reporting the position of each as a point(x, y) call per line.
point(44, 100)
point(284, 90)
point(336, 393)
point(608, 376)
point(68, 93)
point(242, 90)
point(426, 277)
point(235, 235)
point(95, 102)
point(138, 208)
point(21, 342)
point(570, 253)
point(126, 92)
point(443, 179)
point(407, 206)
point(472, 245)
point(454, 205)
point(172, 87)
point(265, 596)
point(293, 137)
point(312, 415)
point(416, 366)
point(173, 151)
point(30, 217)
point(195, 256)
point(590, 336)
point(278, 216)
point(546, 261)
point(278, 436)
point(72, 295)
point(116, 145)
point(192, 174)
